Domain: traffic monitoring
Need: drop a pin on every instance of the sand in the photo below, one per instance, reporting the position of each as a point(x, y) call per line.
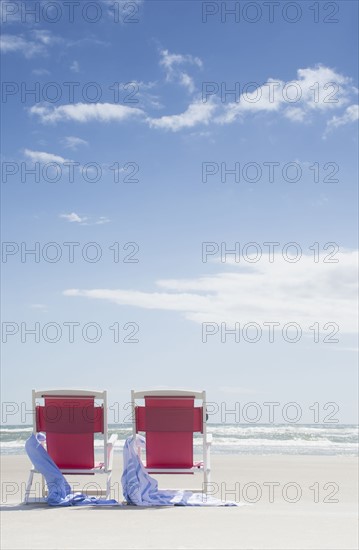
point(281, 524)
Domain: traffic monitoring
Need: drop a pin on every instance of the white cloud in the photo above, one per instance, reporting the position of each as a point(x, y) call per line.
point(85, 112)
point(12, 43)
point(45, 37)
point(31, 46)
point(172, 63)
point(72, 142)
point(41, 156)
point(84, 220)
point(319, 89)
point(304, 292)
point(316, 89)
point(139, 92)
point(140, 84)
point(295, 114)
point(351, 114)
point(102, 220)
point(155, 300)
point(196, 113)
point(73, 217)
point(75, 67)
point(170, 60)
point(187, 82)
point(323, 87)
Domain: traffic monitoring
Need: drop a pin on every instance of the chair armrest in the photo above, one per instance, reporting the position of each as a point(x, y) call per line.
point(207, 451)
point(110, 448)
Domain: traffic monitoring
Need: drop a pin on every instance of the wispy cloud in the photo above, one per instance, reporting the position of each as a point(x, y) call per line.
point(187, 81)
point(86, 112)
point(172, 60)
point(85, 220)
point(316, 89)
point(73, 142)
point(197, 113)
point(102, 220)
point(12, 43)
point(43, 157)
point(302, 292)
point(173, 65)
point(73, 218)
point(33, 44)
point(75, 67)
point(46, 158)
point(143, 91)
point(46, 37)
point(350, 115)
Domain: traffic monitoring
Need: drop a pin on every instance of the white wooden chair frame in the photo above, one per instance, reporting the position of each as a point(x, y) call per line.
point(108, 444)
point(206, 439)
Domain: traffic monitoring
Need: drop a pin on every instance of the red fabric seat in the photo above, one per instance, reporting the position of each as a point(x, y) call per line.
point(169, 423)
point(70, 424)
point(70, 420)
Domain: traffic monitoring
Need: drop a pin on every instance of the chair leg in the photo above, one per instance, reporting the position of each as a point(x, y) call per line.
point(206, 479)
point(28, 487)
point(108, 485)
point(43, 487)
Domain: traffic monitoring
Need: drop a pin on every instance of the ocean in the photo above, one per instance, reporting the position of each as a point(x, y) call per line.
point(284, 439)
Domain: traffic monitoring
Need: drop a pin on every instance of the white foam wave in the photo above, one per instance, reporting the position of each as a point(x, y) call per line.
point(15, 430)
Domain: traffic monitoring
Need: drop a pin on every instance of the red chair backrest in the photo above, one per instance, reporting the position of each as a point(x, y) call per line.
point(70, 424)
point(169, 423)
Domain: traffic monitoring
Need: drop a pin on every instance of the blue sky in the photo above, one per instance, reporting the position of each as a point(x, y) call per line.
point(164, 61)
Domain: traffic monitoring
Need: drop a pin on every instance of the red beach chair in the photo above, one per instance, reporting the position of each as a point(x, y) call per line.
point(169, 419)
point(70, 419)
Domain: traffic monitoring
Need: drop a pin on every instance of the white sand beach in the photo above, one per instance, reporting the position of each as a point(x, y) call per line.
point(281, 524)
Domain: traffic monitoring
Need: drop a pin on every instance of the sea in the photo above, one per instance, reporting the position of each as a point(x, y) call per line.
point(264, 439)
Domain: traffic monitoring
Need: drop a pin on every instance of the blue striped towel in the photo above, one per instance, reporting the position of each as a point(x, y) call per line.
point(140, 489)
point(59, 491)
